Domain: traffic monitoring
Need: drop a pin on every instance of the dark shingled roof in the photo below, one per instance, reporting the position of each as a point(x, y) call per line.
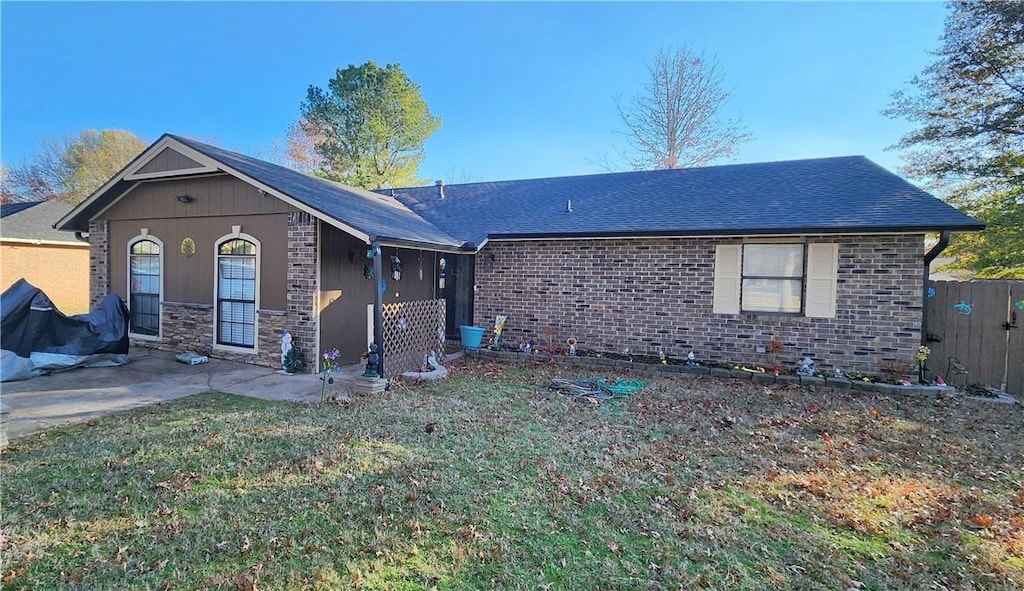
point(847, 195)
point(826, 195)
point(34, 221)
point(371, 213)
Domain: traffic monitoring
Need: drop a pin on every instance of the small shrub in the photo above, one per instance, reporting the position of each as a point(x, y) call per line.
point(894, 370)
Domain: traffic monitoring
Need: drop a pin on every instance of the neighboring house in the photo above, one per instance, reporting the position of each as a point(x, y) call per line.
point(221, 252)
point(55, 262)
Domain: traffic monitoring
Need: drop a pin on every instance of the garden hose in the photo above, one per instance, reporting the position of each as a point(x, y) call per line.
point(596, 388)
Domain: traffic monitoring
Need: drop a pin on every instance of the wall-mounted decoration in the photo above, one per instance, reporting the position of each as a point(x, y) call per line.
point(383, 285)
point(368, 271)
point(1019, 304)
point(963, 308)
point(442, 265)
point(188, 247)
point(931, 292)
point(396, 268)
point(419, 266)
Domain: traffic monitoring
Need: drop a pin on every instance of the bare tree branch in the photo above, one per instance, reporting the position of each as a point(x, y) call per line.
point(675, 121)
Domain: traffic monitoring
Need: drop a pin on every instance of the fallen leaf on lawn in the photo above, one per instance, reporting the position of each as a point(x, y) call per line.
point(982, 520)
point(243, 583)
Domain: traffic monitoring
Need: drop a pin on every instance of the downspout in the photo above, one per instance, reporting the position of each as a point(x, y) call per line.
point(378, 312)
point(930, 256)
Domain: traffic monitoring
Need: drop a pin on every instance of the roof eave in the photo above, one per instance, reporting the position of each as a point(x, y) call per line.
point(899, 229)
point(453, 248)
point(70, 222)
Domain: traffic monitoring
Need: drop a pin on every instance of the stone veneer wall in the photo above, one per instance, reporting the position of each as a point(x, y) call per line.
point(189, 326)
point(651, 294)
point(186, 327)
point(99, 262)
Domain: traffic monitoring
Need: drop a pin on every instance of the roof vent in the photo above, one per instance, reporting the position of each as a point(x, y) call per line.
point(440, 189)
point(568, 206)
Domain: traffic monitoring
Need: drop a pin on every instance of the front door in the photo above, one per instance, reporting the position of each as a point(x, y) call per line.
point(457, 291)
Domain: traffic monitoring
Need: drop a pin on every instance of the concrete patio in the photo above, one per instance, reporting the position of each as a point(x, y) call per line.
point(152, 376)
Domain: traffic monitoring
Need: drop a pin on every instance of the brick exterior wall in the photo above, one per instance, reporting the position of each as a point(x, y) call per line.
point(651, 294)
point(99, 261)
point(62, 272)
point(303, 288)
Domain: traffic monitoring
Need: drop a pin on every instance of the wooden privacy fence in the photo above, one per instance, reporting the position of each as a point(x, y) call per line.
point(412, 330)
point(981, 323)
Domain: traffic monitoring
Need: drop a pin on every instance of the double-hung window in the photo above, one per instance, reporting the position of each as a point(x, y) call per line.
point(776, 278)
point(772, 278)
point(236, 293)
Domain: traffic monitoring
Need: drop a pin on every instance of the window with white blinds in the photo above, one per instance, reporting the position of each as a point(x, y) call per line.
point(236, 293)
point(773, 278)
point(776, 279)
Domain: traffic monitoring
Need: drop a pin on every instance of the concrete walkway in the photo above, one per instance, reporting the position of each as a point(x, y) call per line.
point(151, 376)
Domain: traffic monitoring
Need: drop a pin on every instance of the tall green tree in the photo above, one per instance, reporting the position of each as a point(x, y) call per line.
point(969, 143)
point(70, 169)
point(368, 126)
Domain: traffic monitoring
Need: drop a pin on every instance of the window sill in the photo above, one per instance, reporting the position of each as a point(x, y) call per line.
point(783, 314)
point(145, 337)
point(234, 349)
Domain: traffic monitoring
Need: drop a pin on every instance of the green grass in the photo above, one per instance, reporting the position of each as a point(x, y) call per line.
point(691, 484)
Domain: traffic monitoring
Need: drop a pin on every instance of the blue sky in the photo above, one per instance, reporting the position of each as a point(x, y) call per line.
point(525, 90)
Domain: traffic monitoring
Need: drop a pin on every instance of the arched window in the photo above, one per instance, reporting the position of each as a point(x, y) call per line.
point(237, 271)
point(144, 274)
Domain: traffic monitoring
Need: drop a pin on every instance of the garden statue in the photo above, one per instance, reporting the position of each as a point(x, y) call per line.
point(806, 368)
point(691, 359)
point(286, 346)
point(372, 361)
point(571, 341)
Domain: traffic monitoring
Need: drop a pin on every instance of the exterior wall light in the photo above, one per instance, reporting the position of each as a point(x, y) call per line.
point(184, 199)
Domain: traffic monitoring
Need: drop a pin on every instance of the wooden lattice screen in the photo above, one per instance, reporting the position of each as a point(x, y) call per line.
point(411, 331)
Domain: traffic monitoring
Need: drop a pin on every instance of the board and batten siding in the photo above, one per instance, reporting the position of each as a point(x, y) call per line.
point(167, 160)
point(219, 203)
point(211, 196)
point(345, 292)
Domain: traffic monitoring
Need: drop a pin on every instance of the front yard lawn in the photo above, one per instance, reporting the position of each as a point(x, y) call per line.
point(488, 480)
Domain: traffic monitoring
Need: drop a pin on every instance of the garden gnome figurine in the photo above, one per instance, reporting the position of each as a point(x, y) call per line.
point(806, 368)
point(691, 359)
point(372, 361)
point(286, 346)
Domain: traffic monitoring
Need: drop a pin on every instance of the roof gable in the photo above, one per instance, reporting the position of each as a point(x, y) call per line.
point(363, 214)
point(167, 160)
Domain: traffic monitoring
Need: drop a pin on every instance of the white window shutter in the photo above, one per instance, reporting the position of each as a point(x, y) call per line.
point(727, 279)
point(822, 269)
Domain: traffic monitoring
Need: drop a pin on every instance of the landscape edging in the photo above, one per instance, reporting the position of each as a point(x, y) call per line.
point(831, 383)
